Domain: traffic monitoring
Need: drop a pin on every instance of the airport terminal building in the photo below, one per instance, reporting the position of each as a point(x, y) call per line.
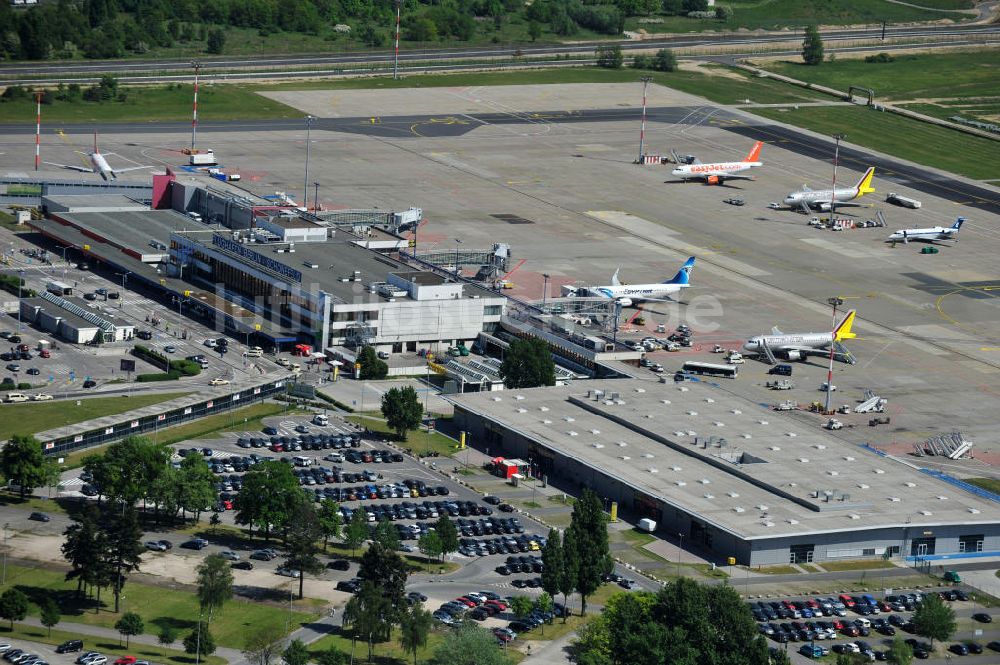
point(336, 290)
point(733, 477)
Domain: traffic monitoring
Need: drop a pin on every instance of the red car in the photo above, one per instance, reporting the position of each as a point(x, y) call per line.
point(499, 604)
point(126, 660)
point(846, 600)
point(227, 504)
point(812, 604)
point(851, 631)
point(465, 601)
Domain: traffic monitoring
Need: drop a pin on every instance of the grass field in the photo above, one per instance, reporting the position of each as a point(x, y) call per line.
point(418, 441)
point(988, 484)
point(28, 418)
point(248, 417)
point(957, 74)
point(155, 103)
point(967, 155)
point(109, 647)
point(867, 564)
point(158, 606)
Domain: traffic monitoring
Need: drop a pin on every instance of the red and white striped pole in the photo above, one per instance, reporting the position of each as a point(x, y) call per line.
point(642, 130)
point(194, 115)
point(38, 129)
point(395, 63)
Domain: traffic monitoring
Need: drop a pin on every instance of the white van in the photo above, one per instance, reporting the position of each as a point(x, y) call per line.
point(321, 420)
point(255, 352)
point(16, 397)
point(862, 622)
point(302, 461)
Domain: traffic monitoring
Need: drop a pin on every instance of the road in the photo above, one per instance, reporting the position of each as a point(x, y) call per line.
point(278, 66)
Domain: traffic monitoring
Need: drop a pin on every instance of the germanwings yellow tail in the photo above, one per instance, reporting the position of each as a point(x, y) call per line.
point(843, 331)
point(865, 184)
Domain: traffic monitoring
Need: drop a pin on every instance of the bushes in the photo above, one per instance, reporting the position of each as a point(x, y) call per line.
point(879, 58)
point(172, 375)
point(10, 284)
point(151, 356)
point(185, 367)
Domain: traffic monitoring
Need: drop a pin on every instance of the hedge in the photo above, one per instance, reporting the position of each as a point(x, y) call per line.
point(185, 367)
point(172, 375)
point(151, 356)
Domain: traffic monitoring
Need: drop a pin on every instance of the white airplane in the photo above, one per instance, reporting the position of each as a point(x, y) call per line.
point(628, 294)
point(98, 164)
point(931, 234)
point(796, 346)
point(714, 174)
point(824, 199)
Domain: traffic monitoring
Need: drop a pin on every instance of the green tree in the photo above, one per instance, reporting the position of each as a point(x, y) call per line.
point(553, 565)
point(130, 624)
point(333, 656)
point(900, 652)
point(402, 410)
point(528, 364)
point(781, 658)
point(414, 627)
point(469, 645)
point(423, 30)
point(544, 603)
point(215, 584)
point(123, 546)
point(357, 530)
point(571, 565)
point(641, 61)
point(372, 367)
point(296, 653)
point(387, 570)
point(430, 545)
point(13, 606)
point(521, 606)
point(590, 538)
point(812, 46)
point(196, 486)
point(386, 535)
point(370, 614)
point(22, 463)
point(269, 493)
point(448, 534)
point(723, 12)
point(610, 56)
point(83, 547)
point(128, 470)
point(534, 30)
point(200, 641)
point(168, 635)
point(50, 614)
point(330, 520)
point(933, 619)
point(216, 41)
point(665, 61)
point(263, 645)
point(695, 5)
point(303, 532)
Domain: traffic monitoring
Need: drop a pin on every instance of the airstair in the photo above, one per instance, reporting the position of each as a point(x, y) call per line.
point(842, 354)
point(767, 353)
point(872, 402)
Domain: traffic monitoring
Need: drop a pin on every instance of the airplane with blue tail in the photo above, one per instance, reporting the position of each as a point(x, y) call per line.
point(930, 234)
point(628, 294)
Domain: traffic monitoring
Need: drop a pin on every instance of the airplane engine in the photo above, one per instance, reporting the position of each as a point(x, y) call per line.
point(625, 302)
point(794, 355)
point(824, 207)
point(712, 180)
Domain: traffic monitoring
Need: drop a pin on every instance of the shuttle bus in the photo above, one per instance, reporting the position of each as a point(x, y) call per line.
point(59, 288)
point(711, 369)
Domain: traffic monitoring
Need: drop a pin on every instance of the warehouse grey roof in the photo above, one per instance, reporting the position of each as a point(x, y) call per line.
point(746, 469)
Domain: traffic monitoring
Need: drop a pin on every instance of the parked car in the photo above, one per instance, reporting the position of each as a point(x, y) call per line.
point(69, 645)
point(242, 565)
point(339, 564)
point(195, 544)
point(155, 546)
point(229, 555)
point(286, 572)
point(39, 517)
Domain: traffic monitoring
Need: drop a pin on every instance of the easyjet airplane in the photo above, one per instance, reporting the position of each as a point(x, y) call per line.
point(98, 164)
point(714, 174)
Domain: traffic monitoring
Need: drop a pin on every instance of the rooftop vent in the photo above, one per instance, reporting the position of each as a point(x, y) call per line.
point(747, 435)
point(497, 399)
point(625, 458)
point(974, 511)
point(546, 421)
point(709, 400)
point(879, 471)
point(520, 410)
point(833, 473)
point(664, 401)
point(819, 446)
point(622, 444)
point(597, 445)
point(854, 516)
point(543, 409)
point(792, 521)
point(894, 499)
point(762, 422)
point(595, 431)
point(791, 434)
point(640, 390)
point(862, 486)
point(675, 468)
point(942, 498)
point(648, 455)
point(572, 433)
point(680, 483)
point(678, 433)
point(767, 523)
point(692, 413)
point(691, 432)
point(848, 458)
point(762, 507)
point(804, 460)
point(518, 397)
point(569, 419)
point(683, 389)
point(732, 494)
point(709, 496)
point(649, 415)
point(738, 509)
point(705, 481)
point(736, 412)
point(926, 513)
point(910, 484)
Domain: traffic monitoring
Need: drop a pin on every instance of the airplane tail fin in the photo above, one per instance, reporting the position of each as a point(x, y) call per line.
point(754, 152)
point(614, 278)
point(958, 224)
point(683, 275)
point(865, 184)
point(843, 331)
point(96, 151)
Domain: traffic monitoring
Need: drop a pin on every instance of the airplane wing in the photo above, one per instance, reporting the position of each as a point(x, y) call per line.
point(71, 167)
point(720, 176)
point(133, 168)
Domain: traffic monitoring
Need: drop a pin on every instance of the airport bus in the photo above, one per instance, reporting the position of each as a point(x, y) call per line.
point(711, 369)
point(59, 288)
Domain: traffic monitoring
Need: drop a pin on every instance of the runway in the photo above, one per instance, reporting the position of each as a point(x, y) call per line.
point(919, 178)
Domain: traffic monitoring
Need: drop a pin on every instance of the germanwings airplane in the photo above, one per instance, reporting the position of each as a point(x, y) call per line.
point(628, 294)
point(796, 346)
point(824, 199)
point(98, 164)
point(931, 234)
point(714, 174)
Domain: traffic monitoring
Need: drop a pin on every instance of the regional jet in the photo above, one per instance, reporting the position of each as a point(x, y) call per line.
point(715, 174)
point(929, 235)
point(796, 346)
point(98, 164)
point(825, 199)
point(628, 294)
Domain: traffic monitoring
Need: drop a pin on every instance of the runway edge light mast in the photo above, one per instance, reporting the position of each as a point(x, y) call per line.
point(642, 128)
point(38, 129)
point(395, 61)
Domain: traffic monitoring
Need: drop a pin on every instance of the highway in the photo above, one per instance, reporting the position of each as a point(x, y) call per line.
point(276, 66)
